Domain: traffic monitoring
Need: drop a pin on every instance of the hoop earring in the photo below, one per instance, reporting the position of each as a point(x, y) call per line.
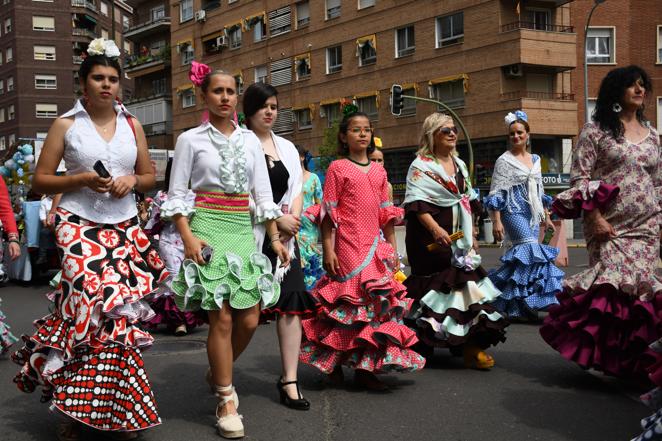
point(617, 108)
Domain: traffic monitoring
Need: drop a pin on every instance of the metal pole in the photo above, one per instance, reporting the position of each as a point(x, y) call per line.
point(587, 115)
point(459, 122)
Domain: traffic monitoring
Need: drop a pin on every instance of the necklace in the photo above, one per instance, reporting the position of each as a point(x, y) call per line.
point(362, 164)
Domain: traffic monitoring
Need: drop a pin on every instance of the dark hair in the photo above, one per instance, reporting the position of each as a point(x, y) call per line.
point(305, 154)
point(168, 170)
point(520, 121)
point(611, 92)
point(97, 60)
point(254, 98)
point(204, 85)
point(343, 149)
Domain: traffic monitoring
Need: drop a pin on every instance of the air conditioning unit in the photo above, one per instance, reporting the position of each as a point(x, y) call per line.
point(514, 70)
point(222, 41)
point(200, 15)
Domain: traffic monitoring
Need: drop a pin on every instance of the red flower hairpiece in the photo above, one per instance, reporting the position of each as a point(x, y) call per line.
point(198, 72)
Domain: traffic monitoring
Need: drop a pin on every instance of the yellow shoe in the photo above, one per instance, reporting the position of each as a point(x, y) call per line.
point(476, 358)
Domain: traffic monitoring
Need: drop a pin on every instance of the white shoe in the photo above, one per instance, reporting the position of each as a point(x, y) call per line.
point(217, 390)
point(229, 426)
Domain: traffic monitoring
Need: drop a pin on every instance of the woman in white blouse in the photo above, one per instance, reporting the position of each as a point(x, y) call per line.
point(223, 273)
point(86, 353)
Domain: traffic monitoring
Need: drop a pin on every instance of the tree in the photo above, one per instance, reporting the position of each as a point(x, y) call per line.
point(329, 147)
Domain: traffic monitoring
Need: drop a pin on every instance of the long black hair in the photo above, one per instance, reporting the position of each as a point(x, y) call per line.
point(97, 60)
point(305, 154)
point(343, 149)
point(612, 90)
point(254, 98)
point(168, 170)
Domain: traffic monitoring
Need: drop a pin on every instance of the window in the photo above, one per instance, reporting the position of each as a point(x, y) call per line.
point(332, 113)
point(159, 86)
point(303, 119)
point(538, 19)
point(333, 59)
point(368, 105)
point(157, 12)
point(127, 47)
point(44, 53)
point(659, 46)
point(303, 14)
point(234, 36)
point(450, 93)
point(409, 106)
point(185, 10)
point(405, 43)
point(188, 98)
point(45, 81)
point(366, 50)
point(239, 79)
point(10, 112)
point(11, 139)
point(7, 25)
point(261, 74)
point(450, 29)
point(40, 23)
point(591, 107)
point(9, 57)
point(1, 57)
point(600, 46)
point(284, 122)
point(209, 5)
point(2, 86)
point(281, 72)
point(2, 115)
point(259, 28)
point(41, 135)
point(104, 34)
point(157, 47)
point(280, 21)
point(659, 111)
point(302, 66)
point(10, 84)
point(46, 110)
point(187, 52)
point(3, 145)
point(126, 23)
point(366, 3)
point(103, 7)
point(332, 9)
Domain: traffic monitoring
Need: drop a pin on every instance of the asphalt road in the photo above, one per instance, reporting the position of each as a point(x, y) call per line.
point(531, 394)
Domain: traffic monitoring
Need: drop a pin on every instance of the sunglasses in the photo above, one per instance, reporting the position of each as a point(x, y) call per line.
point(447, 130)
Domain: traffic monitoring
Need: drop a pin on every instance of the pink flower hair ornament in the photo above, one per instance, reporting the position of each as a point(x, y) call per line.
point(198, 73)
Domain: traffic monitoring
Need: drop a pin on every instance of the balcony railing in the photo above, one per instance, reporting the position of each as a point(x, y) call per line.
point(153, 96)
point(536, 27)
point(84, 4)
point(134, 61)
point(547, 96)
point(84, 33)
point(134, 27)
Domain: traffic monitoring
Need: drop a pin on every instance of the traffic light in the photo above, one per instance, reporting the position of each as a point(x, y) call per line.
point(397, 101)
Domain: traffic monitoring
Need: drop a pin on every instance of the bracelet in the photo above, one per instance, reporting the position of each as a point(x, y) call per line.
point(137, 181)
point(275, 239)
point(14, 240)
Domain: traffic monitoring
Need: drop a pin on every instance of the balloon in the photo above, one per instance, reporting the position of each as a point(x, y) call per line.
point(4, 171)
point(18, 156)
point(20, 172)
point(10, 164)
point(26, 149)
point(29, 158)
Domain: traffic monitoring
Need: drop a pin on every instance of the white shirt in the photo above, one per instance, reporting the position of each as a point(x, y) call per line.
point(44, 207)
point(213, 162)
point(83, 146)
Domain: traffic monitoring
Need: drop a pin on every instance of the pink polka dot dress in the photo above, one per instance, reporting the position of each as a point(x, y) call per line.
point(360, 321)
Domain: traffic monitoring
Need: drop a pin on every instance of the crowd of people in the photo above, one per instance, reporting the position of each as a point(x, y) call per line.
point(238, 233)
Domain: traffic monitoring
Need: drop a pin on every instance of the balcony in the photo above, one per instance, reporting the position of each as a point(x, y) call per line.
point(155, 96)
point(84, 4)
point(536, 27)
point(77, 59)
point(86, 33)
point(140, 30)
point(555, 49)
point(546, 96)
point(139, 65)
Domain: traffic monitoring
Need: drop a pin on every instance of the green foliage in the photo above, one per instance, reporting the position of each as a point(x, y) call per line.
point(329, 147)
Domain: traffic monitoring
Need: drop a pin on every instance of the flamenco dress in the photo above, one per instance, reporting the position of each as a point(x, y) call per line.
point(360, 321)
point(311, 257)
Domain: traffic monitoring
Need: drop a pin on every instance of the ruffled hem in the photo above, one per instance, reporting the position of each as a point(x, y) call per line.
point(175, 206)
point(604, 329)
point(528, 280)
point(267, 211)
point(495, 202)
point(634, 284)
point(484, 330)
point(390, 213)
point(300, 303)
point(7, 339)
point(229, 278)
point(569, 204)
point(652, 428)
point(449, 279)
point(167, 313)
point(391, 359)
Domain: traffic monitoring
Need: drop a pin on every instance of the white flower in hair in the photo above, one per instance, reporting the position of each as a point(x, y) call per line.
point(510, 118)
point(111, 49)
point(96, 47)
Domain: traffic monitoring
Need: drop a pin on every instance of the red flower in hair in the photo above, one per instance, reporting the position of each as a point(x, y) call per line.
point(198, 72)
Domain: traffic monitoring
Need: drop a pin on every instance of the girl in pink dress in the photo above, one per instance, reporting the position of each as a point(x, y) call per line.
point(360, 322)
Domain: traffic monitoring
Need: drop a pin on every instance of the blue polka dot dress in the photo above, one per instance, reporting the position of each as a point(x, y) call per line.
point(528, 278)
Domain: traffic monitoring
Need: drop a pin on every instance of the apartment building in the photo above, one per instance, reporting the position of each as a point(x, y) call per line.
point(148, 64)
point(621, 33)
point(483, 58)
point(41, 46)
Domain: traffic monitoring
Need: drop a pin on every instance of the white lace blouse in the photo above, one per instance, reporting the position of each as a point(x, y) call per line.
point(83, 146)
point(213, 162)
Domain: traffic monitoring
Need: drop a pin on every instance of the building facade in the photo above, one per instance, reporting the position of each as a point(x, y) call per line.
point(148, 65)
point(484, 58)
point(620, 33)
point(41, 46)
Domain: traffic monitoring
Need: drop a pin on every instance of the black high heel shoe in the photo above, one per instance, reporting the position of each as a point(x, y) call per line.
point(299, 403)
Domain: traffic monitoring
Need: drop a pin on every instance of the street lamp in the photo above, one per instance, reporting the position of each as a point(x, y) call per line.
point(587, 115)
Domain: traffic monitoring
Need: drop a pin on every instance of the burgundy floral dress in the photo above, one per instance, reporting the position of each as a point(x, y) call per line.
point(360, 320)
point(610, 313)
